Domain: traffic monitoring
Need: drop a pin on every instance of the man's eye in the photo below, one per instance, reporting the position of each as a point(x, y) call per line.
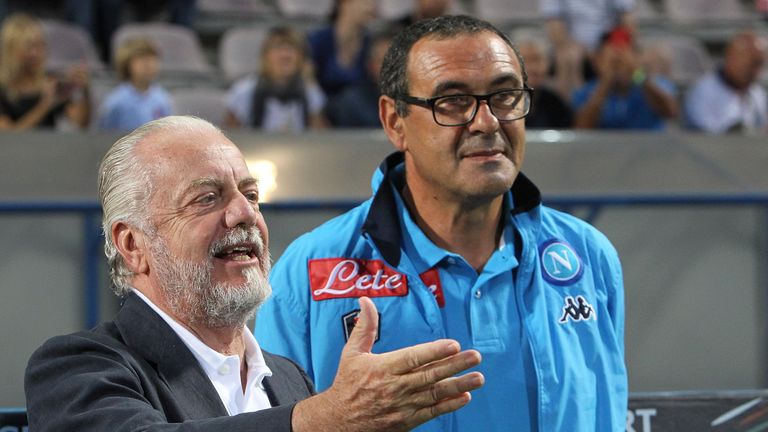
point(207, 198)
point(457, 101)
point(252, 196)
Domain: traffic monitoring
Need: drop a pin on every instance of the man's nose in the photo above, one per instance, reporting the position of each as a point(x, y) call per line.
point(241, 210)
point(484, 121)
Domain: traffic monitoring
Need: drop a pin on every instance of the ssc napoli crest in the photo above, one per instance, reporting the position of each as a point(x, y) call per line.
point(560, 264)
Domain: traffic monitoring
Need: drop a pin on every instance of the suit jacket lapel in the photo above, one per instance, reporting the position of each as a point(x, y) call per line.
point(146, 332)
point(286, 385)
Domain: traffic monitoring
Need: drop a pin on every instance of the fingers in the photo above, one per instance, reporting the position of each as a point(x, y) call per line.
point(408, 359)
point(450, 388)
point(444, 407)
point(442, 369)
point(364, 334)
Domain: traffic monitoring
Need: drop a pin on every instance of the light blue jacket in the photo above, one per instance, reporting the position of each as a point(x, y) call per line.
point(566, 287)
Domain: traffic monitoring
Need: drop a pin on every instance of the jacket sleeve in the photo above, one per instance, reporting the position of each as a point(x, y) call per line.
point(83, 383)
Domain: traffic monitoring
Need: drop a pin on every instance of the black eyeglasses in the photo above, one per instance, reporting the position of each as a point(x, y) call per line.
point(460, 109)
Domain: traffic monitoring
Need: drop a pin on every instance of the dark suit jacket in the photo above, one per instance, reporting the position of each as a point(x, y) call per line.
point(134, 374)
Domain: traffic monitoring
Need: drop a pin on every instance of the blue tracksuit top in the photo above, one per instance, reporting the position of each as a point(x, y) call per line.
point(546, 312)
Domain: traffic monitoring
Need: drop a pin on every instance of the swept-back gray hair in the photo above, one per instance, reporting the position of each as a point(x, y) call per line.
point(125, 187)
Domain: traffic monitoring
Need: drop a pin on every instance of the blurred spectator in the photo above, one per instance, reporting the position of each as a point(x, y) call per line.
point(424, 9)
point(656, 59)
point(357, 106)
point(574, 28)
point(28, 97)
point(283, 97)
point(137, 100)
point(339, 51)
point(730, 99)
point(623, 95)
point(548, 109)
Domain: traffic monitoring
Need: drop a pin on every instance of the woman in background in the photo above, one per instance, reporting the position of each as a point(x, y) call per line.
point(29, 98)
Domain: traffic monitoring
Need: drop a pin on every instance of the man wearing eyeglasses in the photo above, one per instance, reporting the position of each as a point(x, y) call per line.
point(456, 243)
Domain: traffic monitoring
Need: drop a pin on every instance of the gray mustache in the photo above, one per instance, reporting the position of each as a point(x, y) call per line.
point(237, 236)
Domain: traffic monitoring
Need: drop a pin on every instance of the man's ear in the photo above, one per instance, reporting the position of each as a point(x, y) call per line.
point(392, 122)
point(131, 245)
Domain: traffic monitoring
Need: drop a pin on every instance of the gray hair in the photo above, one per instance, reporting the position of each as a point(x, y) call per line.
point(393, 81)
point(125, 188)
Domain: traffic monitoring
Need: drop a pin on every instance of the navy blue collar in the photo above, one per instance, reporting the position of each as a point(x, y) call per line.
point(382, 222)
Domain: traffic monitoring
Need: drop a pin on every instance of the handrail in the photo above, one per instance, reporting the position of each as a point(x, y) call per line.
point(91, 212)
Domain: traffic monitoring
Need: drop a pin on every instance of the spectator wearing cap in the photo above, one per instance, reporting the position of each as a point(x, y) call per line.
point(623, 95)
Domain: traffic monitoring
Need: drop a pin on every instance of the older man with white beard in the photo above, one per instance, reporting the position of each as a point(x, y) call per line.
point(187, 248)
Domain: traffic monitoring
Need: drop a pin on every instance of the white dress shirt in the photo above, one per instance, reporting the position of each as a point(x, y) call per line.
point(223, 370)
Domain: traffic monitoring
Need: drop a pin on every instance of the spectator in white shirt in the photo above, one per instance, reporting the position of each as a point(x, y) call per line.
point(731, 98)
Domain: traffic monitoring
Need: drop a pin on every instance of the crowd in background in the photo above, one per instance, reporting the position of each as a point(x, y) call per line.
point(588, 70)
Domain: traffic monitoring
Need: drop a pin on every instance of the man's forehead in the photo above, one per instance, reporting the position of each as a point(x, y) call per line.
point(182, 157)
point(434, 58)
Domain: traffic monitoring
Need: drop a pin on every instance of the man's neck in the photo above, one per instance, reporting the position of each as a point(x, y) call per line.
point(225, 340)
point(470, 229)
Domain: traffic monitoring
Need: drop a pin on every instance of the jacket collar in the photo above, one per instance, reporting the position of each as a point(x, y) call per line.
point(145, 332)
point(382, 224)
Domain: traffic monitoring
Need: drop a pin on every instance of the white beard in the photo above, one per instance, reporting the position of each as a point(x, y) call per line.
point(191, 295)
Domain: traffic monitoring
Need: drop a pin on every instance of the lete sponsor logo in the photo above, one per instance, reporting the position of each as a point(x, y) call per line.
point(346, 277)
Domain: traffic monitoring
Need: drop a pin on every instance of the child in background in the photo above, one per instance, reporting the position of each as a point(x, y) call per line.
point(138, 99)
point(283, 97)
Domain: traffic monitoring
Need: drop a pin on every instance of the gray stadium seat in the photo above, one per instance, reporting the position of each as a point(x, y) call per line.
point(69, 45)
point(239, 51)
point(645, 12)
point(203, 102)
point(506, 12)
point(697, 11)
point(180, 49)
point(689, 56)
point(394, 9)
point(235, 7)
point(305, 9)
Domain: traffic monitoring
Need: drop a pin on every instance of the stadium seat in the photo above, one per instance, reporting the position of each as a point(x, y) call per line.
point(235, 7)
point(508, 12)
point(180, 49)
point(204, 102)
point(395, 9)
point(239, 51)
point(645, 12)
point(319, 10)
point(698, 11)
point(69, 45)
point(688, 55)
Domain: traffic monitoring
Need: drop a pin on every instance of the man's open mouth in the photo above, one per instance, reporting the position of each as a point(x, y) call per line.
point(241, 252)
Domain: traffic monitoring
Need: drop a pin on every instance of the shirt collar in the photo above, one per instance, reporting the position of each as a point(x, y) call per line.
point(383, 224)
point(211, 360)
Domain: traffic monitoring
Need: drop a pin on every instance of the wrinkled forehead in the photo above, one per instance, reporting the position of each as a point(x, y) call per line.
point(177, 157)
point(434, 60)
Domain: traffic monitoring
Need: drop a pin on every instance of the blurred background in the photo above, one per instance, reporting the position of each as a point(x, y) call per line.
point(684, 200)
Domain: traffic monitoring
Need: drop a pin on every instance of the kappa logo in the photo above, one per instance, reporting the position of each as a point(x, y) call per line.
point(577, 309)
point(560, 264)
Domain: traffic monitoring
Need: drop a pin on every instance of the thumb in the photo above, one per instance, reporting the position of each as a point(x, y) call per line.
point(364, 334)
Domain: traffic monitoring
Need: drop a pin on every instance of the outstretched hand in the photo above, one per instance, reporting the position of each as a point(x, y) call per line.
point(393, 391)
